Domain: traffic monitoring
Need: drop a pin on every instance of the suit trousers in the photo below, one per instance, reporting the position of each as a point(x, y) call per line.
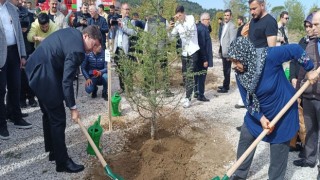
point(188, 69)
point(26, 91)
point(200, 80)
point(54, 125)
point(226, 72)
point(10, 78)
point(278, 157)
point(311, 110)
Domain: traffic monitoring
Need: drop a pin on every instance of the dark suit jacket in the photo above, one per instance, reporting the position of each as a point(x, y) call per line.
point(52, 67)
point(205, 44)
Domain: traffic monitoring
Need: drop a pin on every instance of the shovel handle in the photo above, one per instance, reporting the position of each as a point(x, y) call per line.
point(265, 131)
point(93, 145)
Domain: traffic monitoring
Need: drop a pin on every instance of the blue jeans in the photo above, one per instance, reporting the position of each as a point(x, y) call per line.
point(101, 80)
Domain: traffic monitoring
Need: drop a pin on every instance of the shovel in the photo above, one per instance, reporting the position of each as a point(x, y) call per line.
point(264, 132)
point(98, 154)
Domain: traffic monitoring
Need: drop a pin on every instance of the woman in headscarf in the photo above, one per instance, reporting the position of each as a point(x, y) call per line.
point(265, 91)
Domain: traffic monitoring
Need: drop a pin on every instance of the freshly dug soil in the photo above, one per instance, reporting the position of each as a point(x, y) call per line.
point(181, 150)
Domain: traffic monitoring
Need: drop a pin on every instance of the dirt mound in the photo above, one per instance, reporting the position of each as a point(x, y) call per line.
point(180, 151)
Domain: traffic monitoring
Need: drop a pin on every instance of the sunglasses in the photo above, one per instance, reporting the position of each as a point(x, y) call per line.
point(287, 18)
point(308, 26)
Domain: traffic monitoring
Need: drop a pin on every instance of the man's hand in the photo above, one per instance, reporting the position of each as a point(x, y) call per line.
point(294, 82)
point(22, 62)
point(265, 123)
point(97, 73)
point(24, 30)
point(83, 21)
point(205, 64)
point(88, 82)
point(312, 76)
point(75, 115)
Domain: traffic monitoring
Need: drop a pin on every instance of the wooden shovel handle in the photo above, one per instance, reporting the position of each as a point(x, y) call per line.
point(265, 131)
point(94, 147)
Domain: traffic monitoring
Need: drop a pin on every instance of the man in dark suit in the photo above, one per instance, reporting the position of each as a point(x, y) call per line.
point(205, 56)
point(51, 70)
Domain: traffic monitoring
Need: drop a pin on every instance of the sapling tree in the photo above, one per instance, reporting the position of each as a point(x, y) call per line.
point(147, 70)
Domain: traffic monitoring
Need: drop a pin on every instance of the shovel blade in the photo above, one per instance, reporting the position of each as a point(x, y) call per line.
point(225, 177)
point(111, 174)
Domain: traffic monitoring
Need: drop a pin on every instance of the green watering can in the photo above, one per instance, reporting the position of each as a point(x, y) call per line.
point(115, 101)
point(97, 151)
point(95, 132)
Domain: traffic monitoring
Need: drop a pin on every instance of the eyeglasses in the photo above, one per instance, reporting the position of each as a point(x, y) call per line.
point(287, 18)
point(206, 19)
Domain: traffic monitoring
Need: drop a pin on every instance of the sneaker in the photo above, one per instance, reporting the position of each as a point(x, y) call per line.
point(186, 103)
point(4, 133)
point(104, 96)
point(22, 124)
point(303, 163)
point(33, 102)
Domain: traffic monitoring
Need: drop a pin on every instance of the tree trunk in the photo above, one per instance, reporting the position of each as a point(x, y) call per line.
point(153, 125)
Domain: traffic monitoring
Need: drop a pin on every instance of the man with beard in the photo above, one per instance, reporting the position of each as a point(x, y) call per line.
point(40, 29)
point(263, 27)
point(81, 17)
point(56, 16)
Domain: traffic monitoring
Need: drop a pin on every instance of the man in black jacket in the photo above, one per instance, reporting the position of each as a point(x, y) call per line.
point(205, 56)
point(81, 17)
point(51, 70)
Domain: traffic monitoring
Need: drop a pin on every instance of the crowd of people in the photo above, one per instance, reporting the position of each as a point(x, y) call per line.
point(42, 51)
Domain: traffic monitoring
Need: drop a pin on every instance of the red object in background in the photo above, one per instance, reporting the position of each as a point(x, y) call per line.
point(107, 2)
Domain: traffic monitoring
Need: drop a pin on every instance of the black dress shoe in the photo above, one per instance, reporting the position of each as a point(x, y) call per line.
point(51, 156)
point(69, 167)
point(204, 99)
point(303, 163)
point(223, 90)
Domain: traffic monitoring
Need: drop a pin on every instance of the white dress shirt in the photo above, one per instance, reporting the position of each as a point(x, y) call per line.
point(6, 21)
point(188, 34)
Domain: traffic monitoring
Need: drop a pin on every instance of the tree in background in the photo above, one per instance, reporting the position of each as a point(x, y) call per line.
point(276, 11)
point(313, 8)
point(238, 8)
point(215, 25)
point(146, 72)
point(296, 14)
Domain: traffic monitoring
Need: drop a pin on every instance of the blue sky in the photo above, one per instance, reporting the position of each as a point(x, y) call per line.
point(219, 4)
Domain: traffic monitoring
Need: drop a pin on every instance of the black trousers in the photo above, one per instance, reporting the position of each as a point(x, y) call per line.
point(188, 69)
point(226, 72)
point(26, 92)
point(200, 80)
point(54, 125)
point(10, 78)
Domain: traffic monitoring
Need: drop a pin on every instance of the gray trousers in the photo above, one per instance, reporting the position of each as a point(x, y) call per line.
point(311, 113)
point(278, 157)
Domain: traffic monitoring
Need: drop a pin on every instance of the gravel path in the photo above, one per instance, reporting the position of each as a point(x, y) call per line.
point(23, 157)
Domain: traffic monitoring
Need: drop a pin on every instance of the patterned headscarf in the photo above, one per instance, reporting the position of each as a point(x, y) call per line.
point(253, 60)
